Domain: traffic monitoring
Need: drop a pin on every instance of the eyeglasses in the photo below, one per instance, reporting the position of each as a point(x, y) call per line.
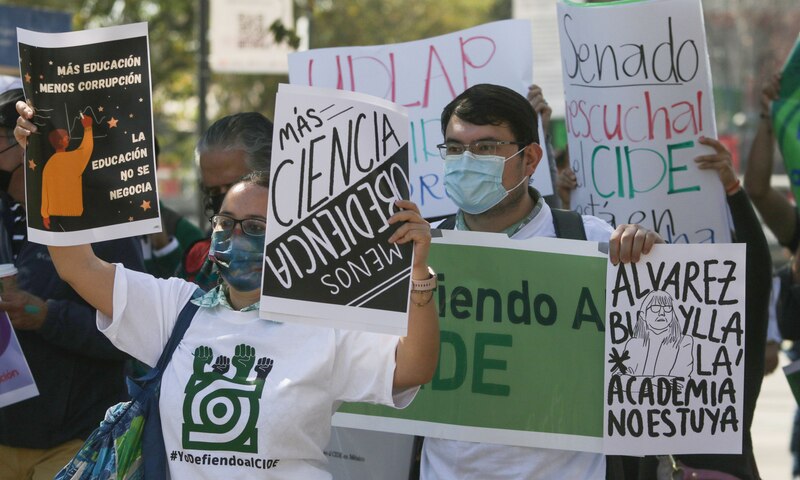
point(481, 147)
point(251, 226)
point(660, 308)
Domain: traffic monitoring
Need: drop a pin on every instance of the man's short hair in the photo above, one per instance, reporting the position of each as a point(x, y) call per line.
point(8, 107)
point(486, 104)
point(248, 131)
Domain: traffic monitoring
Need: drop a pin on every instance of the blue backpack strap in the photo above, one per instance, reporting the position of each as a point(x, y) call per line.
point(136, 385)
point(154, 453)
point(181, 325)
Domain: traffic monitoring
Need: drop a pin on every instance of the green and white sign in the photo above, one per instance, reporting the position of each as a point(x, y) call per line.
point(527, 340)
point(522, 345)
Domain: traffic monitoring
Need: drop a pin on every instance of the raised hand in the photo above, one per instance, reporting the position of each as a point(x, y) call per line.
point(25, 128)
point(222, 365)
point(263, 367)
point(540, 106)
point(720, 161)
point(243, 359)
point(202, 357)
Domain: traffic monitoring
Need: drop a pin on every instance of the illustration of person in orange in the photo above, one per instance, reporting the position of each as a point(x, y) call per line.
point(62, 175)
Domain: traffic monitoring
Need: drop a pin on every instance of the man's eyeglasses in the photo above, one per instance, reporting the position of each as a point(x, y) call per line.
point(251, 226)
point(481, 147)
point(660, 308)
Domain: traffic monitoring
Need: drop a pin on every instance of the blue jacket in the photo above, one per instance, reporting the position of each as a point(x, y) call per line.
point(78, 372)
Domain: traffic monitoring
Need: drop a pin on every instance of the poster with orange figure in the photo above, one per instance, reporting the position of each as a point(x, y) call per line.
point(90, 166)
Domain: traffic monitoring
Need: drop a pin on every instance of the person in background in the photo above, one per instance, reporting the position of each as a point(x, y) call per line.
point(232, 147)
point(163, 251)
point(758, 268)
point(78, 372)
point(781, 217)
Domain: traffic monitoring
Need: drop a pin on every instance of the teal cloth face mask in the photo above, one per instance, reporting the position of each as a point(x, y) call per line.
point(239, 258)
point(475, 182)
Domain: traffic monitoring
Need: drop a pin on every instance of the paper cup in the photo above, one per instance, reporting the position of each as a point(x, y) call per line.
point(8, 277)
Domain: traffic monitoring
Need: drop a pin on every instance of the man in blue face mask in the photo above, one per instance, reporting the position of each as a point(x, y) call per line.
point(490, 151)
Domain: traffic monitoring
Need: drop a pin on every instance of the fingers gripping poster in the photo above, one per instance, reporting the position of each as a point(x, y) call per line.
point(675, 351)
point(339, 163)
point(90, 167)
point(424, 76)
point(638, 99)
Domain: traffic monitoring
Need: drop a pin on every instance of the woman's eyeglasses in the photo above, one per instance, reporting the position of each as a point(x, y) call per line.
point(251, 226)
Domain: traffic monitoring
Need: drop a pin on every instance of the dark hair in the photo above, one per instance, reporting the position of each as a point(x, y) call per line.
point(248, 131)
point(486, 104)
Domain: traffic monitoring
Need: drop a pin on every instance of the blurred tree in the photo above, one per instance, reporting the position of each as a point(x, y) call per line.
point(174, 45)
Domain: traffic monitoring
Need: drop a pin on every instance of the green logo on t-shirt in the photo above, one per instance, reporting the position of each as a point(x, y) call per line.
point(220, 412)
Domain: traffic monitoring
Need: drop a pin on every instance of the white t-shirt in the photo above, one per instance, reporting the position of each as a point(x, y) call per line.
point(246, 398)
point(450, 459)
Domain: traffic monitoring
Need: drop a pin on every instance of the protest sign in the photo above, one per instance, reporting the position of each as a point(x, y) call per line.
point(424, 76)
point(638, 99)
point(786, 118)
point(521, 346)
point(90, 168)
point(506, 332)
point(339, 162)
point(16, 381)
point(675, 351)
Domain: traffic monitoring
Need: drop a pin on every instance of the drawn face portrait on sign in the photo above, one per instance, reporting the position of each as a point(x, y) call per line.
point(658, 346)
point(657, 313)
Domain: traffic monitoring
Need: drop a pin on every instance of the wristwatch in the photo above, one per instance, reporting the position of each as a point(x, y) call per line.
point(424, 285)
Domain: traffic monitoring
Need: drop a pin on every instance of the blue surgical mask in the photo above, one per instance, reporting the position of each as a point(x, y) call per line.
point(475, 182)
point(239, 258)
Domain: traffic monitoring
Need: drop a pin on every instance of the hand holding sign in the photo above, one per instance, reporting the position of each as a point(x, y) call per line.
point(415, 229)
point(25, 310)
point(629, 242)
point(25, 127)
point(720, 161)
point(769, 93)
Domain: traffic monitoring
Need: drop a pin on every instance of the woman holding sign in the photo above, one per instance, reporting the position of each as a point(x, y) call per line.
point(747, 229)
point(245, 397)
